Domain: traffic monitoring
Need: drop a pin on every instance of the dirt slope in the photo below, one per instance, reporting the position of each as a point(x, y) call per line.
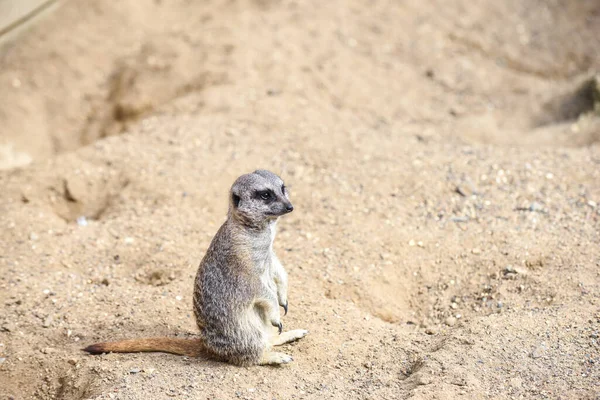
point(442, 159)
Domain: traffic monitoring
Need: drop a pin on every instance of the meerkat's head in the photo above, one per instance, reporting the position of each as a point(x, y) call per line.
point(258, 198)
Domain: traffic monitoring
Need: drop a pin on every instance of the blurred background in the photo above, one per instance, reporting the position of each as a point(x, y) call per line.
point(443, 158)
point(73, 72)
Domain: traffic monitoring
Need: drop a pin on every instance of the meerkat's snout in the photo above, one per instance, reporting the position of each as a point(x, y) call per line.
point(285, 201)
point(287, 208)
point(280, 207)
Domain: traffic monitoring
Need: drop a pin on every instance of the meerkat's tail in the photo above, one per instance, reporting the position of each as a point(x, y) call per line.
point(184, 347)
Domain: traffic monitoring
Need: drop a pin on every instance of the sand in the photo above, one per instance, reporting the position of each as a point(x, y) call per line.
point(443, 159)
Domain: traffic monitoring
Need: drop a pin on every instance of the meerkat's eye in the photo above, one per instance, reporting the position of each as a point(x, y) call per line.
point(265, 195)
point(283, 189)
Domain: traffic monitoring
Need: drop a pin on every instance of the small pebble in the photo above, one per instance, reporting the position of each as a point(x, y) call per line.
point(47, 322)
point(512, 272)
point(82, 221)
point(48, 350)
point(476, 251)
point(129, 240)
point(535, 207)
point(72, 361)
point(539, 351)
point(2, 360)
point(134, 370)
point(33, 236)
point(422, 380)
point(450, 321)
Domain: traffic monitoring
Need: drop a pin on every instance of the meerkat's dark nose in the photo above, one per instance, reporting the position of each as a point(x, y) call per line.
point(289, 208)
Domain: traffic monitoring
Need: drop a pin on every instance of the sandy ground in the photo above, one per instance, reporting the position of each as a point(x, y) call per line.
point(443, 158)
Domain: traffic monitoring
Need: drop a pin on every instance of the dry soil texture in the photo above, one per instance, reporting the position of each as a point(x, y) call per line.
point(443, 158)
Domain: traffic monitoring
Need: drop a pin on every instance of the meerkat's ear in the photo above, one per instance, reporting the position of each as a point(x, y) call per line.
point(235, 199)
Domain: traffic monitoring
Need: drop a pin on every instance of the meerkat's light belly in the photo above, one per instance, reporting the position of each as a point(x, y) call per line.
point(267, 281)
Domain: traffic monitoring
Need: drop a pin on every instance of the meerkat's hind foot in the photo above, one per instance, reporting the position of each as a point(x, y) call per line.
point(274, 358)
point(288, 337)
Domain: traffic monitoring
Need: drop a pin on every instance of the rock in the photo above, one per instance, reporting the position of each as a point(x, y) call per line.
point(462, 191)
point(2, 360)
point(476, 250)
point(8, 327)
point(33, 236)
point(539, 351)
point(48, 350)
point(430, 331)
point(536, 207)
point(47, 322)
point(82, 221)
point(422, 379)
point(72, 361)
point(134, 371)
point(511, 272)
point(450, 321)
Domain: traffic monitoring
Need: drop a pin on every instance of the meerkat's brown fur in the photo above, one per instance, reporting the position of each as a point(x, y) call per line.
point(240, 284)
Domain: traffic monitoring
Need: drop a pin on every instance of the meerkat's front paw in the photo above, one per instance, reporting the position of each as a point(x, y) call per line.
point(284, 305)
point(282, 298)
point(273, 358)
point(278, 325)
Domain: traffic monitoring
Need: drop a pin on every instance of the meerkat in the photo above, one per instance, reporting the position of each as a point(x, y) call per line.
point(240, 284)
